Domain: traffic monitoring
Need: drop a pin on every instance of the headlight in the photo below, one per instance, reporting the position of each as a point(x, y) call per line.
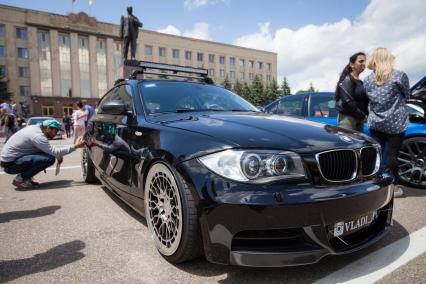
point(255, 166)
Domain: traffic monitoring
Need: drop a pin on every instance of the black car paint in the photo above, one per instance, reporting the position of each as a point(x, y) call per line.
point(226, 207)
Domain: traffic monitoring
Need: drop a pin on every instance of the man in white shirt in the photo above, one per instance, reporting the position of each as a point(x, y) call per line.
point(29, 152)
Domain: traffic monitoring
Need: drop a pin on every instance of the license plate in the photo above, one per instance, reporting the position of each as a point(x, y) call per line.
point(343, 228)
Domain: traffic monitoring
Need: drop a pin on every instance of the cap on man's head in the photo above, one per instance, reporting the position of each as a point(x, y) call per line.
point(51, 123)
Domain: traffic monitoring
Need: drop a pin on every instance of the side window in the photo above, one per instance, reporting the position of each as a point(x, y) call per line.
point(121, 93)
point(291, 106)
point(323, 106)
point(272, 108)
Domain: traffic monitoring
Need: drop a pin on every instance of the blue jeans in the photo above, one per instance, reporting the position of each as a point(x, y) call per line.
point(30, 165)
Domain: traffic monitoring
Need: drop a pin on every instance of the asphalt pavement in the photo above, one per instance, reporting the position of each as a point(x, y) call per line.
point(70, 232)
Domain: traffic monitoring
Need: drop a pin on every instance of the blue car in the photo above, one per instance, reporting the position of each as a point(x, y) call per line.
point(320, 107)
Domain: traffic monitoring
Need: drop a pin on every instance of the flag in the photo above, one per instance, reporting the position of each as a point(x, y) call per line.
point(91, 2)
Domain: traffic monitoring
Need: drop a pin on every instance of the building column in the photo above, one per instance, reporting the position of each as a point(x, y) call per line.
point(11, 57)
point(110, 61)
point(54, 53)
point(93, 59)
point(75, 66)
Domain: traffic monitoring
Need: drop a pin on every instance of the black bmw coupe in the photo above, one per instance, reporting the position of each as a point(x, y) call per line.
point(212, 175)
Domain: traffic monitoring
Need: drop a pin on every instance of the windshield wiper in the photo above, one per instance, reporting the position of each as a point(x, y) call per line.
point(180, 110)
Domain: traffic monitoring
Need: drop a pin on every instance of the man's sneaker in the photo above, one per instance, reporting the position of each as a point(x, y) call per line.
point(22, 184)
point(397, 191)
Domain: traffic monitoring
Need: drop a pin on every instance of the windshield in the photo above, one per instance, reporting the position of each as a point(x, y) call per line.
point(170, 96)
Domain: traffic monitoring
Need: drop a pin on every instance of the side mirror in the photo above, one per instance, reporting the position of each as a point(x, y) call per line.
point(113, 107)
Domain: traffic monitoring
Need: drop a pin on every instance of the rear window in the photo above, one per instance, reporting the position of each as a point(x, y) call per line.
point(170, 96)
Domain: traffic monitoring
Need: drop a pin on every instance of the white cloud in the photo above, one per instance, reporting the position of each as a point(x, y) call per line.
point(200, 31)
point(317, 53)
point(170, 29)
point(192, 4)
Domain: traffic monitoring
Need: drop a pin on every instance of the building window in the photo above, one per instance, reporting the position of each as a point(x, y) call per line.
point(44, 61)
point(47, 110)
point(251, 76)
point(24, 91)
point(211, 58)
point(1, 30)
point(22, 52)
point(268, 77)
point(67, 110)
point(242, 62)
point(232, 60)
point(24, 71)
point(2, 51)
point(21, 33)
point(188, 55)
point(222, 73)
point(222, 59)
point(84, 61)
point(260, 65)
point(232, 74)
point(260, 76)
point(2, 71)
point(251, 63)
point(175, 53)
point(199, 57)
point(102, 69)
point(241, 75)
point(268, 66)
point(162, 51)
point(64, 64)
point(148, 50)
point(211, 72)
point(116, 55)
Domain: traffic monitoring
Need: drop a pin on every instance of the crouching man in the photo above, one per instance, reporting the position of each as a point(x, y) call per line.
point(29, 152)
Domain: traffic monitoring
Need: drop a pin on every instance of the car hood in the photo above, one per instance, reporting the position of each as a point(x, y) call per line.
point(259, 130)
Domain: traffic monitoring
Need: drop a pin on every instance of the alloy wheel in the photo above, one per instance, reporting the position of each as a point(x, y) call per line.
point(84, 163)
point(163, 209)
point(412, 162)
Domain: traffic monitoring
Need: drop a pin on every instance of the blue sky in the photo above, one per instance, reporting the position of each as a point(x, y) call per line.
point(312, 38)
point(228, 19)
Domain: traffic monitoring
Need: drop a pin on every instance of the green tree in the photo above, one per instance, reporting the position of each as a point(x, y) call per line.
point(238, 88)
point(246, 91)
point(257, 92)
point(285, 87)
point(5, 95)
point(226, 83)
point(272, 92)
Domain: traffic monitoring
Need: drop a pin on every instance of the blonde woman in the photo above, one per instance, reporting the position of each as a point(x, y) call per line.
point(387, 91)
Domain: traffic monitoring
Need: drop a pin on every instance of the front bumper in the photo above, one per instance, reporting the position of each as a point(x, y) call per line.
point(284, 224)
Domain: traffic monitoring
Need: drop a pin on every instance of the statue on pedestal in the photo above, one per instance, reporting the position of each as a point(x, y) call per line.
point(129, 29)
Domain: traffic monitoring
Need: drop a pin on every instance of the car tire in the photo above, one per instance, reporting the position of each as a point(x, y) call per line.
point(88, 167)
point(171, 214)
point(412, 162)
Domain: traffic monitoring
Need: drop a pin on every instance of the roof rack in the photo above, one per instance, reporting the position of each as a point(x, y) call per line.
point(160, 69)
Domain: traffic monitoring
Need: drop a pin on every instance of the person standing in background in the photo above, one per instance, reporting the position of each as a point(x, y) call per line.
point(79, 119)
point(89, 111)
point(388, 90)
point(351, 98)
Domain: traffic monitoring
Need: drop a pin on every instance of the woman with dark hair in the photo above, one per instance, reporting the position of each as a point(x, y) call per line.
point(351, 98)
